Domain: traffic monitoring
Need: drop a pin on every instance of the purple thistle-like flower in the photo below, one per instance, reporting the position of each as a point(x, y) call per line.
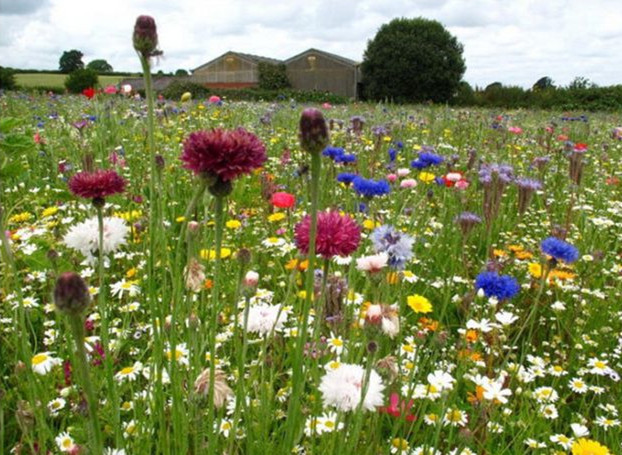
point(222, 153)
point(96, 185)
point(467, 221)
point(337, 235)
point(526, 188)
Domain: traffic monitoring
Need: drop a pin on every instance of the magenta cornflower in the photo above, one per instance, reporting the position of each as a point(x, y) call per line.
point(222, 153)
point(337, 235)
point(96, 185)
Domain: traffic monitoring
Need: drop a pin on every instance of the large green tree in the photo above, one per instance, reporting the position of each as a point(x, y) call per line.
point(100, 65)
point(71, 61)
point(412, 60)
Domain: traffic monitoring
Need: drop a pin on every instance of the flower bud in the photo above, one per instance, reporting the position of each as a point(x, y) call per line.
point(313, 131)
point(71, 294)
point(244, 256)
point(251, 279)
point(145, 36)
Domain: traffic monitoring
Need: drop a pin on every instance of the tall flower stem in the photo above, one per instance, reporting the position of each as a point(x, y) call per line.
point(154, 220)
point(298, 381)
point(178, 403)
point(216, 306)
point(77, 329)
point(104, 317)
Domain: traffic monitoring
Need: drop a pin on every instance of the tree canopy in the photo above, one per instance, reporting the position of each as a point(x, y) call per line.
point(413, 60)
point(100, 66)
point(71, 61)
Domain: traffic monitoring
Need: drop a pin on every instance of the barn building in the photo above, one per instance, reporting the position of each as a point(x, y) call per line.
point(231, 70)
point(311, 70)
point(325, 72)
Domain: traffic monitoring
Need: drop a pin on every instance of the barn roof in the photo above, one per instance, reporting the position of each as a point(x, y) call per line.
point(338, 58)
point(248, 57)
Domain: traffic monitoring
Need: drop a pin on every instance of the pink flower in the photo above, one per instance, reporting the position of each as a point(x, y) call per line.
point(372, 264)
point(403, 172)
point(214, 99)
point(110, 90)
point(399, 408)
point(462, 184)
point(337, 235)
point(222, 153)
point(515, 130)
point(408, 183)
point(327, 106)
point(392, 177)
point(283, 200)
point(38, 139)
point(96, 185)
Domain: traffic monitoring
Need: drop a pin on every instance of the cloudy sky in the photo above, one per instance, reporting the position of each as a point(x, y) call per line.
point(515, 42)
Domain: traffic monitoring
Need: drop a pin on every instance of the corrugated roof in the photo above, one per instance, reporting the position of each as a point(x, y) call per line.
point(339, 58)
point(248, 57)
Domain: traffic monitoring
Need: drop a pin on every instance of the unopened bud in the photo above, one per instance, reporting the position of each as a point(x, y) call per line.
point(251, 279)
point(221, 188)
point(71, 294)
point(145, 36)
point(313, 131)
point(244, 256)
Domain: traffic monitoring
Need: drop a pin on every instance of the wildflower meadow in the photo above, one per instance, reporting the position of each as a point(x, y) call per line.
point(214, 277)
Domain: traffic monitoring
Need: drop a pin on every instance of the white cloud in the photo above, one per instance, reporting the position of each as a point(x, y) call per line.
point(512, 42)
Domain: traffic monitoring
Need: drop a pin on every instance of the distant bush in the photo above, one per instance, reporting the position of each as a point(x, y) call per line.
point(81, 79)
point(178, 88)
point(273, 77)
point(589, 98)
point(7, 78)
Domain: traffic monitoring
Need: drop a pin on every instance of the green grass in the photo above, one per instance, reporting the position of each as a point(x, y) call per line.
point(56, 80)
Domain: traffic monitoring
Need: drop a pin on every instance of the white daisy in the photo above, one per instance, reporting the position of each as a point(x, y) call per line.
point(43, 362)
point(64, 442)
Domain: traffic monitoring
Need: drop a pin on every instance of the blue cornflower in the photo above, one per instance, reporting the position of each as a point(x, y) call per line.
point(345, 158)
point(370, 188)
point(427, 159)
point(333, 152)
point(392, 154)
point(397, 245)
point(346, 177)
point(502, 287)
point(559, 249)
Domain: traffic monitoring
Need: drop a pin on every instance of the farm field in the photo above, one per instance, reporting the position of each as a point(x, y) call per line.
point(466, 297)
point(56, 80)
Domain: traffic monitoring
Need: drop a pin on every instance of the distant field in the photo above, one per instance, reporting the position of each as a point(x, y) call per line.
point(56, 80)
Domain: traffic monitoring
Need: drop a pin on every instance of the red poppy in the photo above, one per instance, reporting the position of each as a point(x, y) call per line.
point(283, 200)
point(580, 147)
point(89, 92)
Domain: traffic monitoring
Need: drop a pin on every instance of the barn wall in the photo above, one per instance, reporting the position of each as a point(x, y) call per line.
point(322, 74)
point(228, 69)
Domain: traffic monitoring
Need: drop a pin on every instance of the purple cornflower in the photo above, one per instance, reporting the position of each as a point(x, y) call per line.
point(559, 250)
point(397, 245)
point(502, 287)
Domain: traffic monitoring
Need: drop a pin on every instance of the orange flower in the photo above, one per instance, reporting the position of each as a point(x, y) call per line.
point(472, 336)
point(208, 284)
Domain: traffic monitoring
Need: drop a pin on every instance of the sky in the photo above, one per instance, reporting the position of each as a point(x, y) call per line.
point(513, 42)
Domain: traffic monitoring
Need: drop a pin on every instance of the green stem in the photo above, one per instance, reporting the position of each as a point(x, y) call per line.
point(298, 379)
point(104, 317)
point(213, 329)
point(77, 329)
point(155, 219)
